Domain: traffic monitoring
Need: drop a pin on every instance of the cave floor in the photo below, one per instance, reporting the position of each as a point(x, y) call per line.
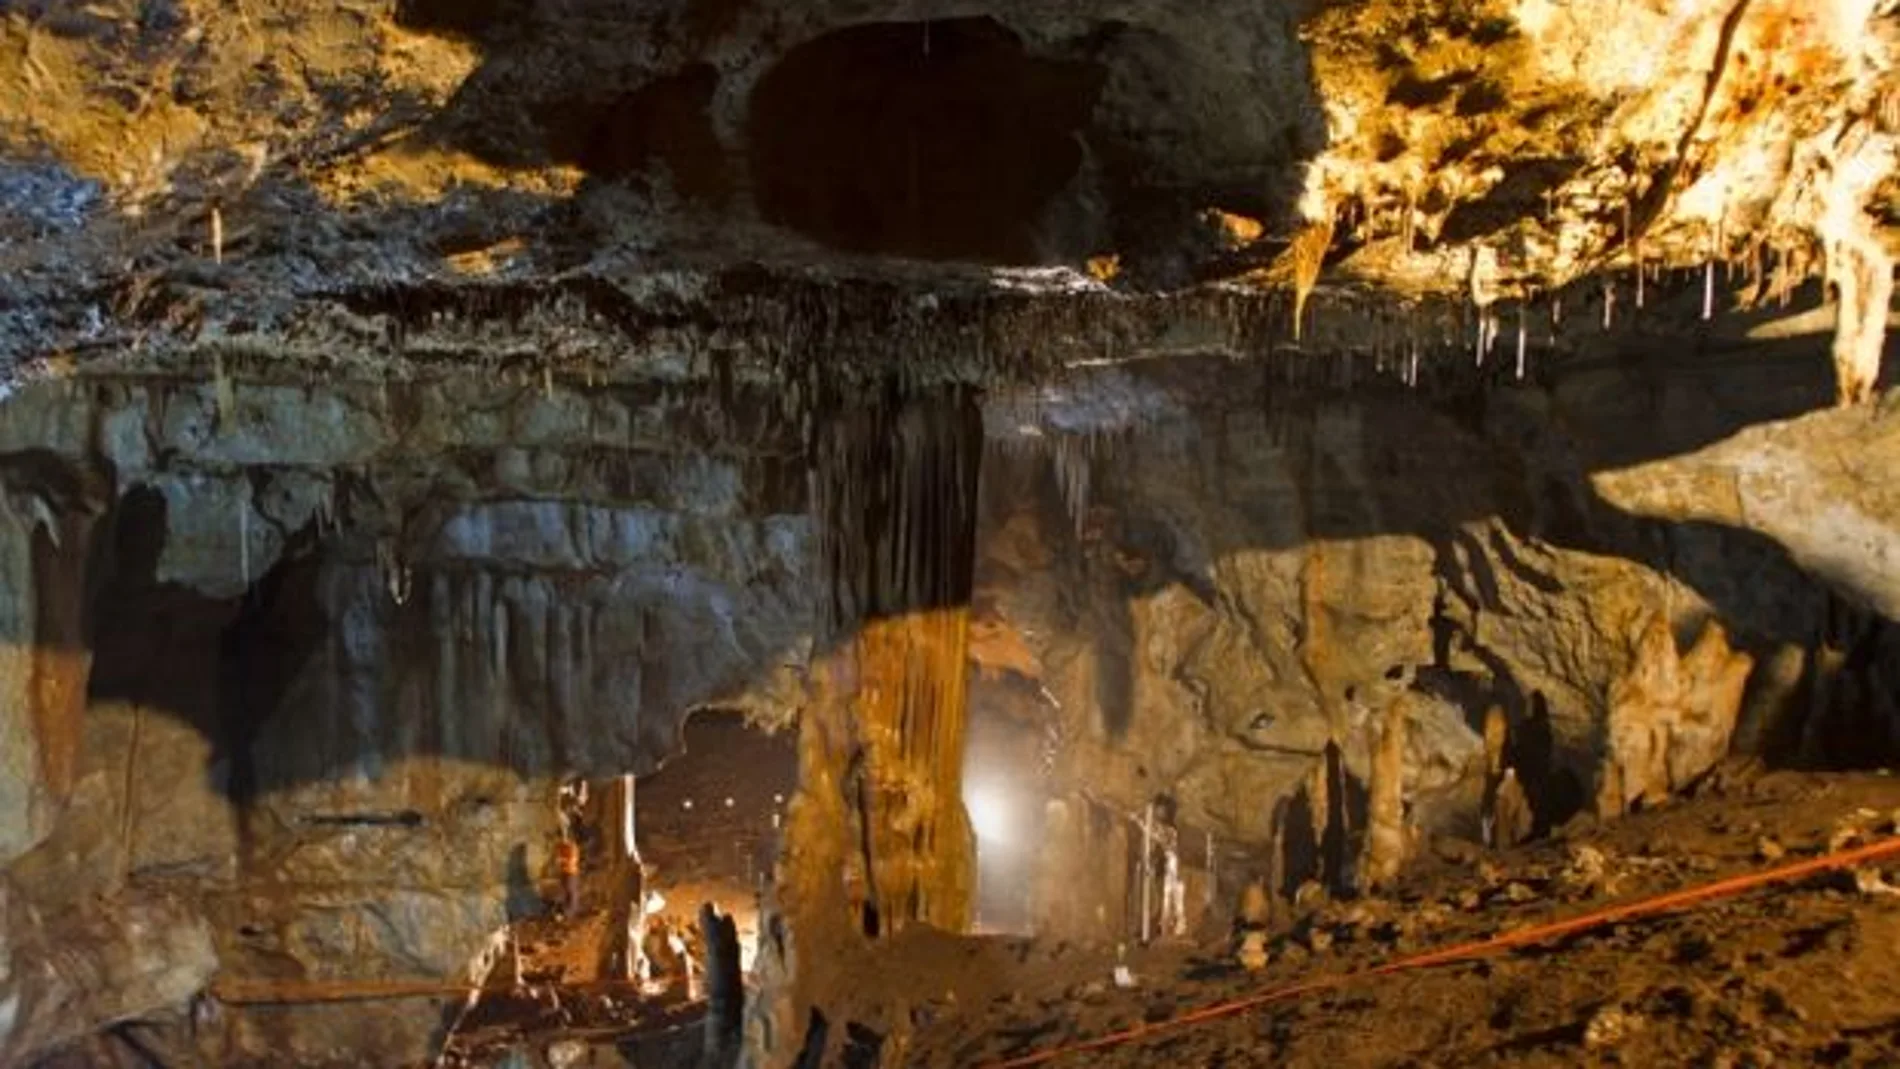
point(1806, 972)
point(564, 1002)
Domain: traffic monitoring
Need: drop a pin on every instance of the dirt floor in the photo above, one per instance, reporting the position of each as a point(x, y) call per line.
point(1805, 973)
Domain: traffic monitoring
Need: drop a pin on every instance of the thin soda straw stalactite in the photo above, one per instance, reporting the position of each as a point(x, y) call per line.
point(1520, 341)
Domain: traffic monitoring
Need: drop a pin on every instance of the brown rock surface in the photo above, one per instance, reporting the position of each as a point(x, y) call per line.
point(422, 393)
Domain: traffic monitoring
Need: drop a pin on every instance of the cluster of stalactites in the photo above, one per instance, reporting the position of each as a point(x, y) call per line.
point(1072, 459)
point(893, 492)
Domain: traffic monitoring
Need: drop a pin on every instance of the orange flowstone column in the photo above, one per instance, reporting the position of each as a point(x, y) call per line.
point(910, 712)
point(895, 498)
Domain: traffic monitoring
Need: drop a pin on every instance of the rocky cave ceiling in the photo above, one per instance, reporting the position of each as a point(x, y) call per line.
point(282, 177)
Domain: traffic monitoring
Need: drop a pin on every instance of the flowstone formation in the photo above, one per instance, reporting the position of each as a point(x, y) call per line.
point(1307, 433)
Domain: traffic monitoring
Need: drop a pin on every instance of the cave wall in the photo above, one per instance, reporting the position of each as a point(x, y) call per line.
point(341, 640)
point(342, 644)
point(1204, 589)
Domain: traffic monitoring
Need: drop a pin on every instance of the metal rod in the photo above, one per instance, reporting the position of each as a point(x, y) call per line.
point(1147, 866)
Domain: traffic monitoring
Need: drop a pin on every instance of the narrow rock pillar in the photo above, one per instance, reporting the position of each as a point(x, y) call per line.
point(877, 838)
point(895, 494)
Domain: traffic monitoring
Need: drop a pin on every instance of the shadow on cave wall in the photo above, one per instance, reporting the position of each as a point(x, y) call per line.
point(1440, 464)
point(223, 665)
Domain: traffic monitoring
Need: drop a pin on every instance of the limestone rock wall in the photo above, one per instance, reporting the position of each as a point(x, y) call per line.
point(71, 966)
point(338, 649)
point(1213, 588)
point(336, 641)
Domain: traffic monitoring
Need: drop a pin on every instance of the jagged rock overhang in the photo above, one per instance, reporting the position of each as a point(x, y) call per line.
point(812, 333)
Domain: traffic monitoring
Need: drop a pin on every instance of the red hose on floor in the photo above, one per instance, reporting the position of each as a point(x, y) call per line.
point(1523, 937)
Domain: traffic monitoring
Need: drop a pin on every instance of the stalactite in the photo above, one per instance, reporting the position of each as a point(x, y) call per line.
point(326, 508)
point(1307, 254)
point(1520, 342)
point(396, 576)
point(244, 542)
point(225, 394)
point(1861, 272)
point(1072, 467)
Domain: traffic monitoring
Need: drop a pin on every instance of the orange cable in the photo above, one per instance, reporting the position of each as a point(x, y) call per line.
point(297, 992)
point(1722, 888)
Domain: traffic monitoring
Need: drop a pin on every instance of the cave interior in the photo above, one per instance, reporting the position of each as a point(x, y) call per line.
point(691, 533)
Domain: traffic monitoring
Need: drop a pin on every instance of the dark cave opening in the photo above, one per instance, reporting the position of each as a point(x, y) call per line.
point(663, 124)
point(937, 140)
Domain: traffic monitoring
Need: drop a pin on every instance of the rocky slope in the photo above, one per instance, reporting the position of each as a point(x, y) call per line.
point(1790, 973)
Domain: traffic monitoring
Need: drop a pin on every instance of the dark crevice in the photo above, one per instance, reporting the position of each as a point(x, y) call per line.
point(662, 125)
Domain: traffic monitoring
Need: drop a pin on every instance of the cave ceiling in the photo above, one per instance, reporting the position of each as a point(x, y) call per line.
point(944, 188)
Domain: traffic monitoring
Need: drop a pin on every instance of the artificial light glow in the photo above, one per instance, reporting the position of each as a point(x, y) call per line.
point(989, 817)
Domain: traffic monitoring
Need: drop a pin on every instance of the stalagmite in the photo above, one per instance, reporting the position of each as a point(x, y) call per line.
point(1173, 887)
point(1496, 735)
point(1385, 804)
point(1511, 817)
point(725, 987)
point(1671, 716)
point(1252, 917)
